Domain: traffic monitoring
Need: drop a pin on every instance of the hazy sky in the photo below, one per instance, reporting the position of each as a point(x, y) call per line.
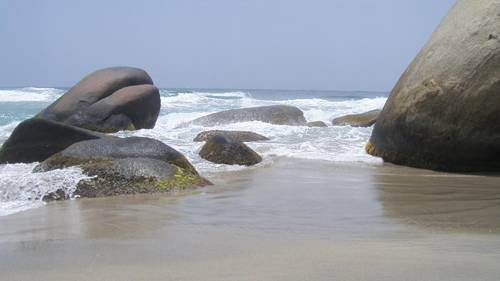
point(271, 44)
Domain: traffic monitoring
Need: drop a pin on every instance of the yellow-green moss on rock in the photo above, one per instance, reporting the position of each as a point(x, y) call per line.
point(181, 179)
point(357, 120)
point(139, 165)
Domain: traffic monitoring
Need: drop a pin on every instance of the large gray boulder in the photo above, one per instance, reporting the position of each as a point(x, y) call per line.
point(221, 150)
point(274, 114)
point(124, 166)
point(444, 112)
point(365, 119)
point(35, 140)
point(108, 100)
point(238, 136)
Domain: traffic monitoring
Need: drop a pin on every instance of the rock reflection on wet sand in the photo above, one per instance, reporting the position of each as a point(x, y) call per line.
point(441, 201)
point(293, 220)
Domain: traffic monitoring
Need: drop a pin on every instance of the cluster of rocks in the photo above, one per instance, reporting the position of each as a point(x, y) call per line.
point(442, 114)
point(70, 132)
point(227, 147)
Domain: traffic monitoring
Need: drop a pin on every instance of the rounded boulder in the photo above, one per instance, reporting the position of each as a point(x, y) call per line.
point(444, 112)
point(108, 100)
point(221, 150)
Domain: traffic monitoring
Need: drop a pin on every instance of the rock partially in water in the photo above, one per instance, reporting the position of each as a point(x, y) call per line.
point(318, 124)
point(126, 166)
point(109, 100)
point(444, 112)
point(274, 114)
point(365, 119)
point(221, 150)
point(35, 140)
point(237, 136)
point(132, 147)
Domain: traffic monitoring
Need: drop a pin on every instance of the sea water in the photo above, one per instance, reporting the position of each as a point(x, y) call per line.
point(20, 189)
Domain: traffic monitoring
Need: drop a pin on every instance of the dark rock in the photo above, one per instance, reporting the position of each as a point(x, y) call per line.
point(108, 100)
point(237, 136)
point(129, 108)
point(134, 175)
point(56, 196)
point(319, 124)
point(274, 114)
point(35, 140)
point(444, 112)
point(125, 166)
point(221, 150)
point(116, 148)
point(366, 119)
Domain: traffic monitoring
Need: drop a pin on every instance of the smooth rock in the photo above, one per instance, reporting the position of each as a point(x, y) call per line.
point(221, 150)
point(35, 140)
point(319, 124)
point(124, 166)
point(238, 136)
point(274, 114)
point(108, 100)
point(133, 107)
point(444, 112)
point(365, 119)
point(116, 148)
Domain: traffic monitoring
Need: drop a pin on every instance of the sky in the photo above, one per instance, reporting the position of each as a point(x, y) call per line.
point(254, 44)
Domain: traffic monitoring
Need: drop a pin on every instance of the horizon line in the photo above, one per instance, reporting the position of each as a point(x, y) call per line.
point(214, 88)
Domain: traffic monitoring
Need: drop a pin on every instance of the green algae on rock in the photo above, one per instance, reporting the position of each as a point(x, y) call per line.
point(126, 166)
point(365, 119)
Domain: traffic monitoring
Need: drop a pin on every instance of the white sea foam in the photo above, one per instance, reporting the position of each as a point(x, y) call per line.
point(30, 94)
point(342, 144)
point(20, 189)
point(6, 130)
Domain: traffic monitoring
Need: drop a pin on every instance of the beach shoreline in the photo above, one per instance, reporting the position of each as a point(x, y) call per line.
point(292, 220)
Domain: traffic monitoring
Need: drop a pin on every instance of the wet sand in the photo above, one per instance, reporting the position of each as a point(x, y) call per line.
point(293, 220)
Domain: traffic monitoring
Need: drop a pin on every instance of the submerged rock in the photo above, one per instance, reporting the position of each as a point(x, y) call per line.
point(108, 100)
point(238, 136)
point(365, 119)
point(125, 166)
point(319, 124)
point(35, 140)
point(444, 112)
point(221, 150)
point(274, 114)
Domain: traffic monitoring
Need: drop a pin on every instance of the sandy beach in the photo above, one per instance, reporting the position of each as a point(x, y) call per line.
point(250, 140)
point(292, 220)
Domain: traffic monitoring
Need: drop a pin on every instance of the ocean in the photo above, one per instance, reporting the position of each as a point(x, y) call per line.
point(21, 190)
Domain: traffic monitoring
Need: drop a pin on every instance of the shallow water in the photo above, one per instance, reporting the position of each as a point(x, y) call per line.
point(335, 144)
point(293, 220)
point(317, 208)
